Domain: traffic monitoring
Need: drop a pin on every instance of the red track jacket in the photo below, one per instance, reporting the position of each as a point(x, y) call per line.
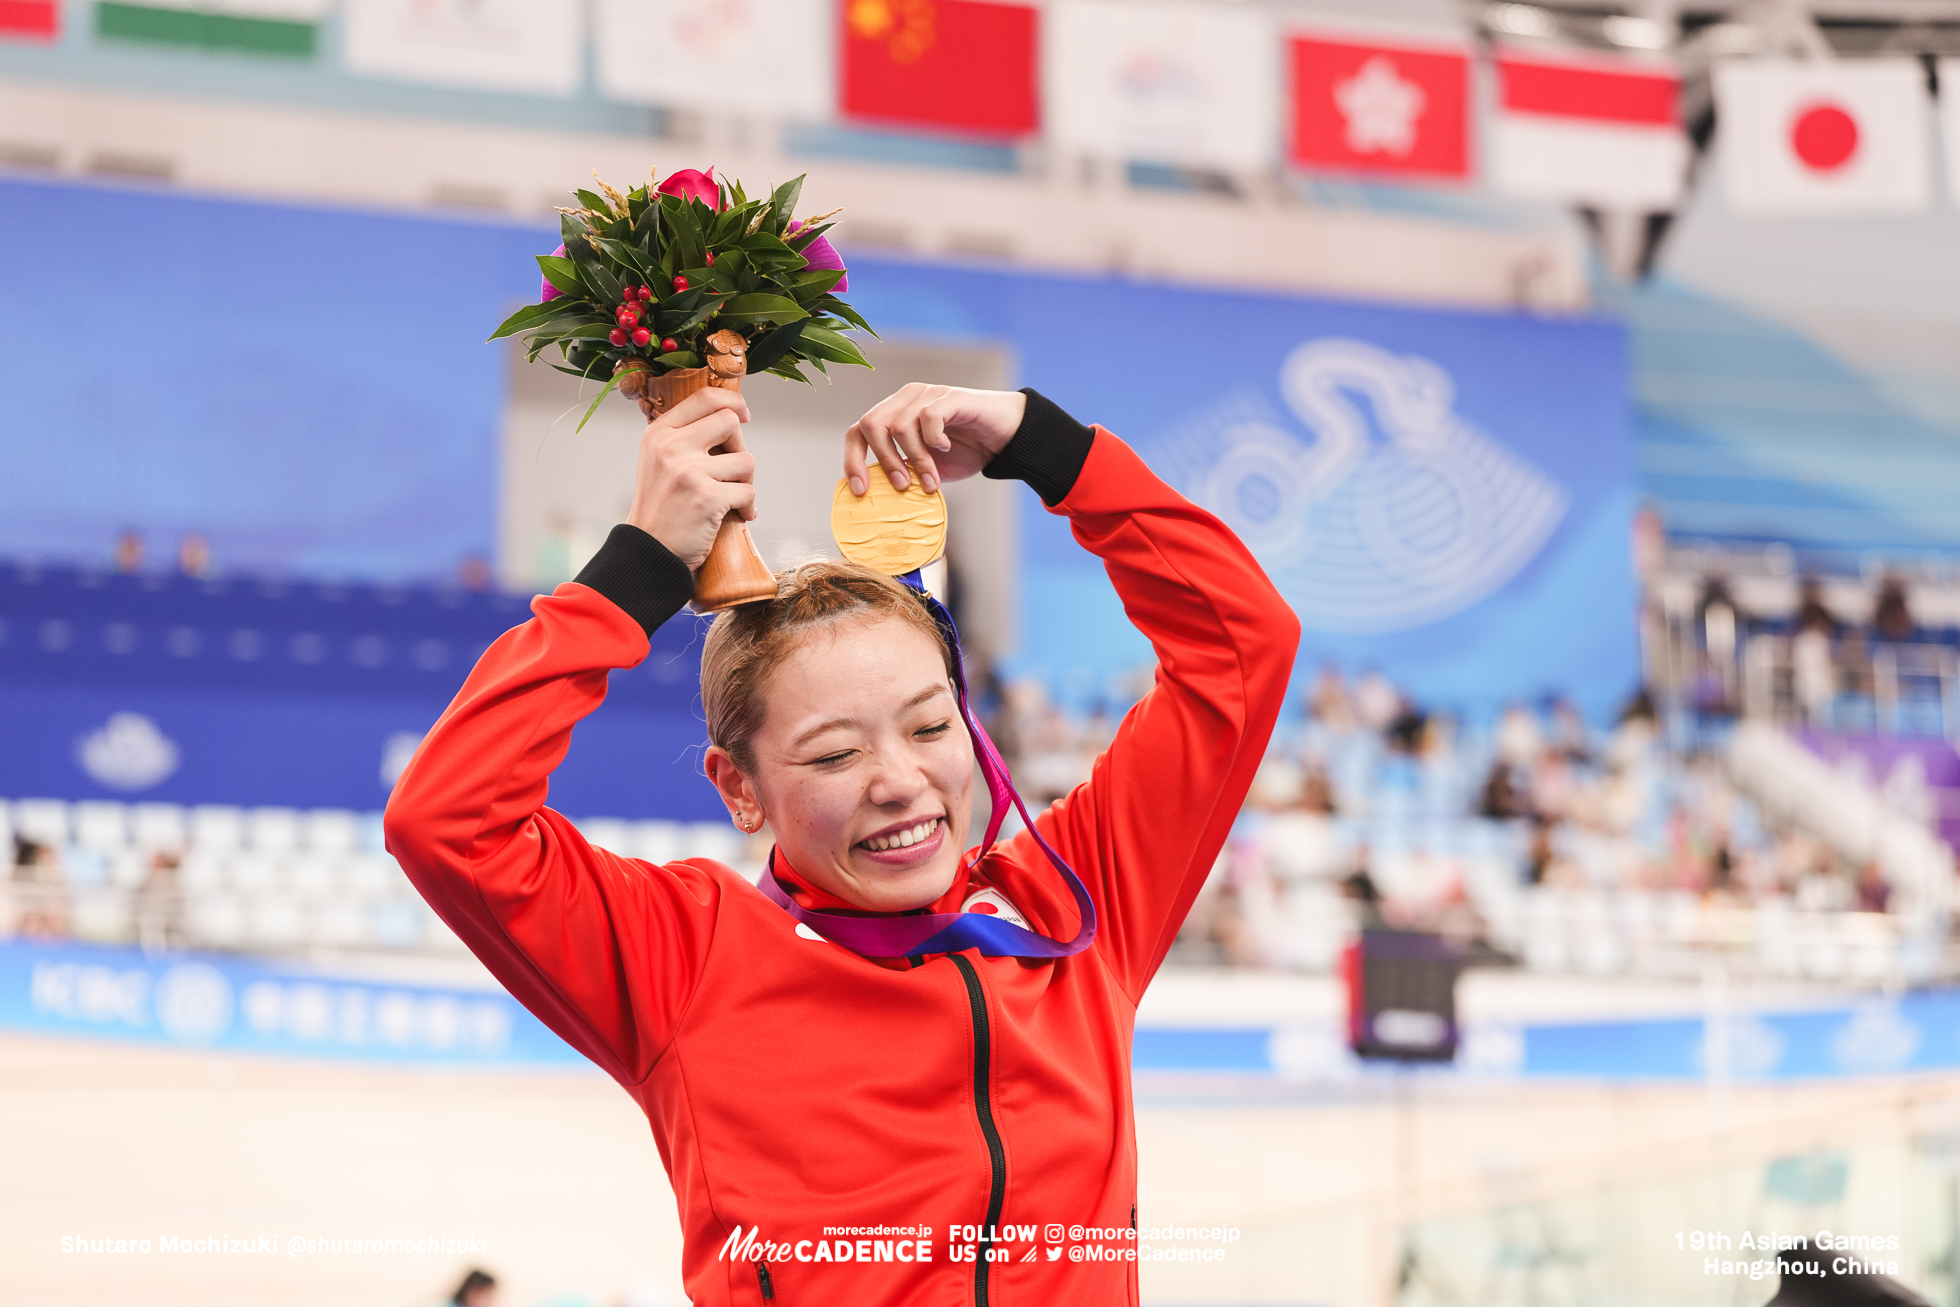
point(800, 1093)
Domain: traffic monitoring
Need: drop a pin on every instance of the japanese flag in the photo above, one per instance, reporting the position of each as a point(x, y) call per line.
point(1824, 136)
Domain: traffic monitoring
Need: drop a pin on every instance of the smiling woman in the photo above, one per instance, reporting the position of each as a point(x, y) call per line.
point(900, 1031)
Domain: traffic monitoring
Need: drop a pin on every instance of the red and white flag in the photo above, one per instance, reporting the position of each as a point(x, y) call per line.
point(1588, 132)
point(1823, 136)
point(957, 65)
point(1378, 107)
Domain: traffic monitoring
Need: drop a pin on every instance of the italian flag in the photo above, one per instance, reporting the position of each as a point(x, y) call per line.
point(1597, 132)
point(286, 28)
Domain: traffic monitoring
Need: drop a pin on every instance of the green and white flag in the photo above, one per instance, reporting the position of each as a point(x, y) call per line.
point(282, 28)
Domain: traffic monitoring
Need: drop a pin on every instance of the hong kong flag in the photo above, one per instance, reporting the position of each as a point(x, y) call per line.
point(34, 20)
point(1823, 136)
point(1380, 108)
point(955, 65)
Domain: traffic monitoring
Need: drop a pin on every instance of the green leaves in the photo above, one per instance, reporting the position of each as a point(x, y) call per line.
point(758, 284)
point(593, 407)
point(766, 350)
point(536, 315)
point(563, 274)
point(762, 308)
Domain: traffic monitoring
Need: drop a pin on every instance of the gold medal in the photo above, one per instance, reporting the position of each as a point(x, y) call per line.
point(890, 531)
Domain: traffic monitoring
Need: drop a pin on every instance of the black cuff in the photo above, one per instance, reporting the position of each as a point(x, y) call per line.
point(639, 574)
point(1047, 452)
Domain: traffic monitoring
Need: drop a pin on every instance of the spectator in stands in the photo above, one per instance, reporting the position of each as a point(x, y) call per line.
point(194, 555)
point(1812, 613)
point(1717, 615)
point(1892, 617)
point(129, 552)
point(473, 574)
point(39, 890)
point(1874, 891)
point(159, 905)
point(1505, 796)
point(1376, 702)
point(1328, 702)
point(478, 1289)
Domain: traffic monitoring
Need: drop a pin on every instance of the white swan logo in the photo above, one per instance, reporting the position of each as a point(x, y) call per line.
point(1365, 533)
point(129, 753)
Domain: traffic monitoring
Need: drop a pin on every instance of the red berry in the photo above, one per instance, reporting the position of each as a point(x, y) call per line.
point(711, 258)
point(642, 336)
point(616, 336)
point(680, 284)
point(668, 345)
point(629, 292)
point(646, 292)
point(628, 315)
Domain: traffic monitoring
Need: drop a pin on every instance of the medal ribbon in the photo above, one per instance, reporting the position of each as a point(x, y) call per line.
point(951, 932)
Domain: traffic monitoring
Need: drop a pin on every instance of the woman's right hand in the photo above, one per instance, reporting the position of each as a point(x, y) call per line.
point(682, 491)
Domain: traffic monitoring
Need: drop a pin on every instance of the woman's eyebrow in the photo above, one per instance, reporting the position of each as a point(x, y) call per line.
point(831, 724)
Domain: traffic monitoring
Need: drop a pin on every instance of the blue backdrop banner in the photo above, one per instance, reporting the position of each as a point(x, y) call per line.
point(1445, 495)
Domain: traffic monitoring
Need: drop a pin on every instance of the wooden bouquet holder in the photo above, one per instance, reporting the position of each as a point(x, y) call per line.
point(733, 573)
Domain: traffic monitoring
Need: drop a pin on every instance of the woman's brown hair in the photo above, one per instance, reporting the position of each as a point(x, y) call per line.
point(745, 644)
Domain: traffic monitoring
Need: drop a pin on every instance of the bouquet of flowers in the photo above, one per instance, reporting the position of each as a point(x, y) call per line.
point(685, 274)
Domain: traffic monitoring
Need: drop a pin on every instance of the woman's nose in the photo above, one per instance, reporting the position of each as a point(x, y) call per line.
point(895, 779)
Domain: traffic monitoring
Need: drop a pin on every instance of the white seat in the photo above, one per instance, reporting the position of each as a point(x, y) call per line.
point(217, 828)
point(369, 875)
point(203, 871)
point(253, 873)
point(128, 868)
point(613, 836)
point(332, 831)
point(397, 923)
point(216, 919)
point(100, 914)
point(101, 826)
point(372, 838)
point(312, 876)
point(713, 839)
point(45, 821)
point(272, 830)
point(275, 921)
point(341, 923)
point(158, 826)
point(656, 841)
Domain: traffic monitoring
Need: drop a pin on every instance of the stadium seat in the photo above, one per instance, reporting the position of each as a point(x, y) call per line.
point(103, 827)
point(158, 826)
point(272, 830)
point(656, 841)
point(45, 821)
point(217, 828)
point(331, 831)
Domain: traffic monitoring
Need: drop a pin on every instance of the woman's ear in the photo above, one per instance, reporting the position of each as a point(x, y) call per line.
point(735, 788)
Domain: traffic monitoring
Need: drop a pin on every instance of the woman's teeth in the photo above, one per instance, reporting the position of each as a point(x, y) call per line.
point(905, 839)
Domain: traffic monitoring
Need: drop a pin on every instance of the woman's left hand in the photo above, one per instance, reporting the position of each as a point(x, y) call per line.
point(945, 433)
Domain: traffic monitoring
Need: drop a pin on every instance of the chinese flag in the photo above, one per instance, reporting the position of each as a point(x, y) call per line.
point(959, 65)
point(1380, 108)
point(35, 19)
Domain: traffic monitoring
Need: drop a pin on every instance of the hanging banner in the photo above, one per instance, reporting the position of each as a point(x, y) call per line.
point(1596, 132)
point(270, 27)
point(1381, 107)
point(955, 65)
point(503, 45)
point(1824, 136)
point(1192, 84)
point(748, 56)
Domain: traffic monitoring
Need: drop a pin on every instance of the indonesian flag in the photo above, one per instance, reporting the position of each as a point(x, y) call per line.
point(1380, 108)
point(37, 20)
point(1588, 132)
point(958, 65)
point(1824, 136)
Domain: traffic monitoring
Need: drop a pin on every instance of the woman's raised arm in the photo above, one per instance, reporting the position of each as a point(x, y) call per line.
point(604, 949)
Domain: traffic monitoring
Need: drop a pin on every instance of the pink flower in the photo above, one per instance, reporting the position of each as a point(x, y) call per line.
point(551, 292)
point(690, 184)
point(820, 253)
